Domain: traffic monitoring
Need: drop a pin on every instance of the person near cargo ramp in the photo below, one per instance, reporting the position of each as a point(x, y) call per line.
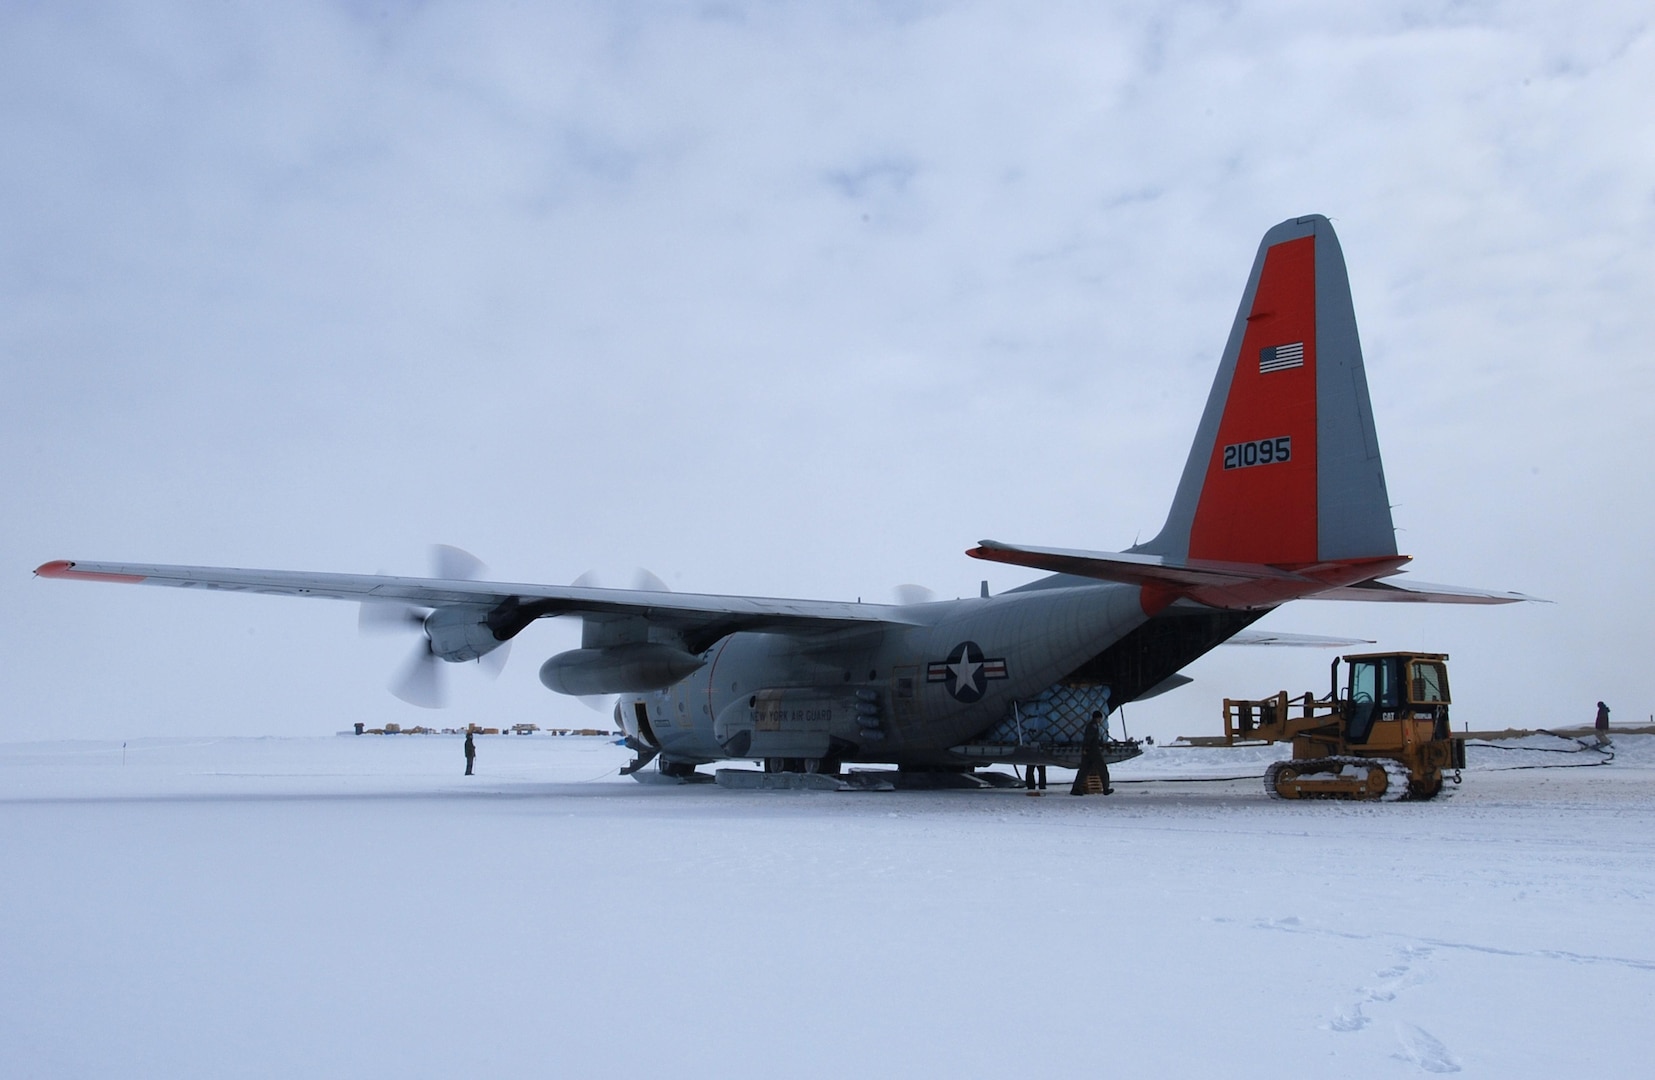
point(470, 753)
point(1093, 776)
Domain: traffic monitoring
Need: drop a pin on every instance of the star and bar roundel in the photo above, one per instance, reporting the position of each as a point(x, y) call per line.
point(965, 672)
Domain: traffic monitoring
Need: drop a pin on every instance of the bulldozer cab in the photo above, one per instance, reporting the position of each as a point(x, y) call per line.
point(1394, 685)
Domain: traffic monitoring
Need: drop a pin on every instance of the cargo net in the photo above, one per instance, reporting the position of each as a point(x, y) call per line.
point(1056, 718)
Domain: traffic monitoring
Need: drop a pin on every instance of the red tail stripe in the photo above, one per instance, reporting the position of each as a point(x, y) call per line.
point(1268, 513)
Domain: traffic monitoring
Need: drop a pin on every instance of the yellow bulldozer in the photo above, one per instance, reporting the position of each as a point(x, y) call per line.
point(1386, 737)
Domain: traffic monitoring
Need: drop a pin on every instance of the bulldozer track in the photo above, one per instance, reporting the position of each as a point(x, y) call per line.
point(1338, 782)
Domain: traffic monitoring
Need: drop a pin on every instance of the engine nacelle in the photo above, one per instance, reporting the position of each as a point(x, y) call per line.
point(460, 632)
point(619, 669)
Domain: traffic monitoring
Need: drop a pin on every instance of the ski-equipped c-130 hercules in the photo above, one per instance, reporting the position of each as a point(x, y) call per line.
point(1282, 498)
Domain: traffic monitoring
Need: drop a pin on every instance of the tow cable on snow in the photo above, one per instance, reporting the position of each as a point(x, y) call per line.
point(1187, 779)
point(1605, 755)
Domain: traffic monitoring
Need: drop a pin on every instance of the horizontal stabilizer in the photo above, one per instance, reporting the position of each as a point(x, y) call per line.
point(1296, 641)
point(1171, 682)
point(1421, 592)
point(1236, 586)
point(1132, 569)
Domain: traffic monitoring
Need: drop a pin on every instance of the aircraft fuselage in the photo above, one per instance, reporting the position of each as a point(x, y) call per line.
point(893, 693)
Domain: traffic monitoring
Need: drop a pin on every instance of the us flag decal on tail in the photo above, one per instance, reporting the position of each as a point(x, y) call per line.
point(1281, 357)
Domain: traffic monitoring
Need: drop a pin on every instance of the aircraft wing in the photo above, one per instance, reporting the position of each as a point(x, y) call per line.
point(701, 617)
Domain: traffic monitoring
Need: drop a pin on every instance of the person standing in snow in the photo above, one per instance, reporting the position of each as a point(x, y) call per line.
point(1602, 723)
point(1093, 775)
point(470, 753)
point(1034, 776)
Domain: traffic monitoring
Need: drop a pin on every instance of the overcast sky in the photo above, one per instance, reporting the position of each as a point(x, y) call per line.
point(790, 299)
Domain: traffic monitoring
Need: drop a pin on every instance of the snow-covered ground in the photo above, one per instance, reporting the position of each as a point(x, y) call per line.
point(355, 907)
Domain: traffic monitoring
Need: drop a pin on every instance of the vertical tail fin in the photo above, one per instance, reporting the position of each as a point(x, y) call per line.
point(1285, 468)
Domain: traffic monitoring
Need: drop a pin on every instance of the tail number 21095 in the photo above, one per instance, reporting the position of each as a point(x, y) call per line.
point(1260, 452)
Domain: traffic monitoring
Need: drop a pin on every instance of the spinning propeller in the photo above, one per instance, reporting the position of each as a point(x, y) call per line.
point(908, 595)
point(421, 681)
point(642, 580)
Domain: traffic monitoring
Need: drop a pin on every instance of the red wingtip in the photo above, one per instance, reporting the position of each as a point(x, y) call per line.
point(64, 568)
